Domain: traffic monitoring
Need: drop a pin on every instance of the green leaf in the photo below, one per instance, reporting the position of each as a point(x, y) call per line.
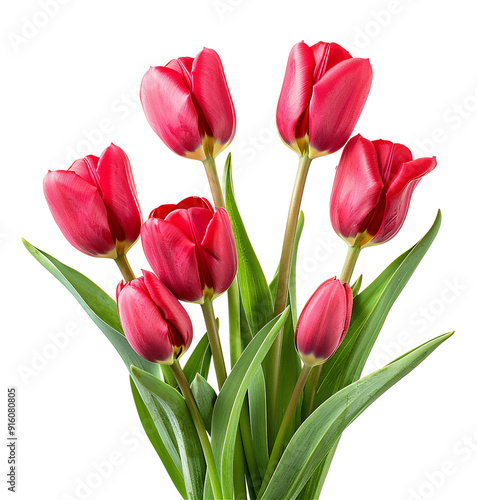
point(256, 296)
point(292, 283)
point(205, 397)
point(357, 286)
point(199, 360)
point(370, 309)
point(192, 457)
point(102, 309)
point(229, 403)
point(318, 434)
point(151, 432)
point(257, 399)
point(315, 483)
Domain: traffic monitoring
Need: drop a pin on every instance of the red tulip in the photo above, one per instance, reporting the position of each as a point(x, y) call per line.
point(324, 322)
point(372, 190)
point(322, 97)
point(155, 323)
point(188, 104)
point(95, 203)
point(191, 248)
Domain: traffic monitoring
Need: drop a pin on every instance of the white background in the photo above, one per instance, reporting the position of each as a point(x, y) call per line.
point(69, 88)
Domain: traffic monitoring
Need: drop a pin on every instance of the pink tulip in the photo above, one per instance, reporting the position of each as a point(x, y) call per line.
point(95, 203)
point(188, 104)
point(324, 322)
point(154, 321)
point(322, 97)
point(372, 190)
point(191, 248)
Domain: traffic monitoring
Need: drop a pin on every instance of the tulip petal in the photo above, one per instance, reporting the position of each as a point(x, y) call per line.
point(212, 94)
point(295, 94)
point(219, 251)
point(86, 169)
point(356, 189)
point(171, 310)
point(193, 221)
point(398, 198)
point(119, 194)
point(183, 65)
point(143, 324)
point(172, 255)
point(170, 111)
point(391, 156)
point(322, 323)
point(79, 212)
point(192, 201)
point(336, 104)
point(326, 56)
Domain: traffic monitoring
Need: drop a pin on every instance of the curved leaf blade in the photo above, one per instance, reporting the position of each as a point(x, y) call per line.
point(156, 441)
point(229, 403)
point(101, 308)
point(199, 360)
point(192, 457)
point(205, 398)
point(370, 309)
point(256, 296)
point(317, 435)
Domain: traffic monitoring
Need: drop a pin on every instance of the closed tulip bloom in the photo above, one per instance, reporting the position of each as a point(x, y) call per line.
point(324, 322)
point(323, 94)
point(372, 190)
point(155, 323)
point(188, 104)
point(191, 248)
point(95, 203)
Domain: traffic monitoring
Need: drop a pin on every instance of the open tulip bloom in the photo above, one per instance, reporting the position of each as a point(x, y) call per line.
point(272, 428)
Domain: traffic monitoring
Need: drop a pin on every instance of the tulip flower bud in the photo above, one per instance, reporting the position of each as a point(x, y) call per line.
point(188, 104)
point(324, 322)
point(191, 248)
point(323, 94)
point(372, 190)
point(95, 203)
point(155, 323)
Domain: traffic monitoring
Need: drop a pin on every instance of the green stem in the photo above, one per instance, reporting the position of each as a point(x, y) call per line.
point(199, 425)
point(234, 327)
point(233, 292)
point(124, 267)
point(350, 262)
point(234, 322)
point(247, 443)
point(284, 275)
point(214, 341)
point(310, 391)
point(282, 432)
point(240, 492)
point(214, 183)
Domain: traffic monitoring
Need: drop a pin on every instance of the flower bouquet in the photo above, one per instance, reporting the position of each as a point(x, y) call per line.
point(291, 383)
